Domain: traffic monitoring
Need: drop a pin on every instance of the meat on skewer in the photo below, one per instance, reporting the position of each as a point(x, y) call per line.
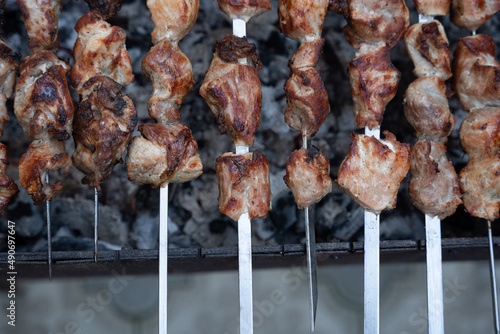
point(244, 9)
point(8, 70)
point(173, 19)
point(471, 14)
point(41, 21)
point(106, 8)
point(8, 188)
point(432, 7)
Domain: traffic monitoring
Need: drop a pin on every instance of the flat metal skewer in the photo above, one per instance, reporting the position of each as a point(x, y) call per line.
point(435, 311)
point(96, 221)
point(163, 261)
point(49, 233)
point(493, 281)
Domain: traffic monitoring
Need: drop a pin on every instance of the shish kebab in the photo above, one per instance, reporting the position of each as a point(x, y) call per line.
point(307, 169)
point(232, 90)
point(43, 107)
point(476, 78)
point(166, 151)
point(433, 183)
point(374, 169)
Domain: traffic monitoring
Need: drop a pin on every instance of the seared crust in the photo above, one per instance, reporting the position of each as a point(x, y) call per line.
point(433, 185)
point(41, 20)
point(433, 7)
point(308, 176)
point(477, 73)
point(42, 156)
point(173, 19)
point(302, 20)
point(100, 50)
point(244, 9)
point(163, 154)
point(107, 8)
point(233, 49)
point(244, 185)
point(233, 91)
point(8, 188)
point(480, 133)
point(374, 82)
point(172, 75)
point(307, 101)
point(426, 109)
point(307, 54)
point(43, 104)
point(471, 14)
point(104, 123)
point(373, 171)
point(429, 49)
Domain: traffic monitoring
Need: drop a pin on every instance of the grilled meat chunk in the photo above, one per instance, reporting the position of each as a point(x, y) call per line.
point(43, 104)
point(302, 20)
point(373, 171)
point(41, 21)
point(163, 154)
point(480, 133)
point(308, 176)
point(244, 185)
point(477, 73)
point(104, 122)
point(307, 55)
point(106, 8)
point(433, 7)
point(244, 9)
point(426, 109)
point(173, 19)
point(471, 14)
point(374, 82)
point(8, 70)
point(429, 49)
point(43, 156)
point(232, 89)
point(8, 189)
point(172, 75)
point(433, 185)
point(100, 50)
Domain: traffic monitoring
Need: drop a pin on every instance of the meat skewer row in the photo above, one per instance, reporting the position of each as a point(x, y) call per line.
point(166, 152)
point(374, 169)
point(307, 169)
point(232, 91)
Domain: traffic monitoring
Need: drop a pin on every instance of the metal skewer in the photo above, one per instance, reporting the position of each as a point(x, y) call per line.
point(493, 281)
point(96, 221)
point(49, 233)
point(163, 260)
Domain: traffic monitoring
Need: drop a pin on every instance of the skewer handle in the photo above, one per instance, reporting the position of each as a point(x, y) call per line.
point(49, 233)
point(163, 260)
point(245, 274)
point(493, 281)
point(372, 274)
point(434, 275)
point(96, 221)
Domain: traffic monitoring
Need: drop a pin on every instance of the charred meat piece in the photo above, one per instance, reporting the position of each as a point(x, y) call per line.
point(4, 115)
point(429, 49)
point(43, 104)
point(477, 73)
point(8, 189)
point(173, 19)
point(42, 156)
point(308, 176)
point(374, 82)
point(100, 50)
point(244, 9)
point(307, 101)
point(172, 75)
point(480, 184)
point(104, 122)
point(480, 133)
point(373, 171)
point(244, 185)
point(106, 8)
point(426, 109)
point(232, 89)
point(163, 154)
point(302, 20)
point(433, 7)
point(471, 14)
point(307, 55)
point(41, 20)
point(8, 69)
point(433, 186)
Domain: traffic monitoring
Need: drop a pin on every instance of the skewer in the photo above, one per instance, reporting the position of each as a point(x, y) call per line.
point(163, 260)
point(493, 280)
point(96, 220)
point(49, 233)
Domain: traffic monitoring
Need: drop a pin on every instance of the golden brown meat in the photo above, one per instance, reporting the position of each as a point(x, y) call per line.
point(471, 14)
point(302, 20)
point(244, 9)
point(433, 185)
point(163, 154)
point(100, 50)
point(232, 89)
point(372, 24)
point(433, 7)
point(426, 109)
point(480, 183)
point(480, 133)
point(373, 171)
point(107, 8)
point(429, 49)
point(43, 104)
point(41, 20)
point(307, 101)
point(172, 75)
point(477, 73)
point(8, 189)
point(42, 156)
point(307, 54)
point(173, 19)
point(308, 176)
point(374, 82)
point(244, 185)
point(104, 122)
